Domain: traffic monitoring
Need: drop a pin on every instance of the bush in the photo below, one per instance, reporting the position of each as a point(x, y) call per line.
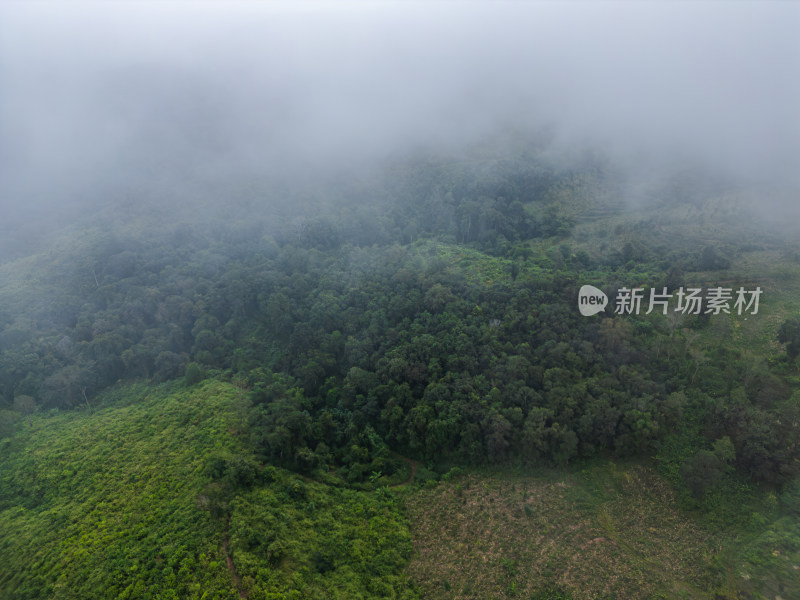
point(194, 374)
point(702, 472)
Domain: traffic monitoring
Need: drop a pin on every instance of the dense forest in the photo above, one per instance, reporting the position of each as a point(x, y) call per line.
point(443, 326)
point(400, 325)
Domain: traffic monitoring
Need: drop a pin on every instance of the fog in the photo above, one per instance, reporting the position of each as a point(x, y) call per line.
point(114, 102)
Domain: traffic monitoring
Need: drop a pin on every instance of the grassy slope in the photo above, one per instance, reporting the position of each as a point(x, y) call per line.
point(105, 505)
point(606, 531)
point(298, 539)
point(118, 504)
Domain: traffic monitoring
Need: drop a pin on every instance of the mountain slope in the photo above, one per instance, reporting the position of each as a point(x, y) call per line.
point(134, 499)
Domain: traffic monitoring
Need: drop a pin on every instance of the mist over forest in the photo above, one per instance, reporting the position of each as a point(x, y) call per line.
point(290, 300)
point(161, 103)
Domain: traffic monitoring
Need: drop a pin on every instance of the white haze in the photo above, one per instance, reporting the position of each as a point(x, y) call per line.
point(102, 101)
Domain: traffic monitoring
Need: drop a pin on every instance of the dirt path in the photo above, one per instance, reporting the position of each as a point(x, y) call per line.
point(237, 581)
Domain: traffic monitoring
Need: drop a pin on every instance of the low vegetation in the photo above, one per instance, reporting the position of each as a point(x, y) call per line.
point(608, 530)
point(148, 495)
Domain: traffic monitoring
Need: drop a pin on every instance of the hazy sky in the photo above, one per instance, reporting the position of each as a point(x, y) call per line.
point(100, 95)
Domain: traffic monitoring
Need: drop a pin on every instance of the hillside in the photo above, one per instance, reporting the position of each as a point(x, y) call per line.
point(183, 389)
point(604, 530)
point(150, 494)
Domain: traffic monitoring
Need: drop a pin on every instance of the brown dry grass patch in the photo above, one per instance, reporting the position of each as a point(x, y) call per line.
point(608, 532)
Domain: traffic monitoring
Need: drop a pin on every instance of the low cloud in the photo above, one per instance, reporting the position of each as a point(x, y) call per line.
point(103, 97)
